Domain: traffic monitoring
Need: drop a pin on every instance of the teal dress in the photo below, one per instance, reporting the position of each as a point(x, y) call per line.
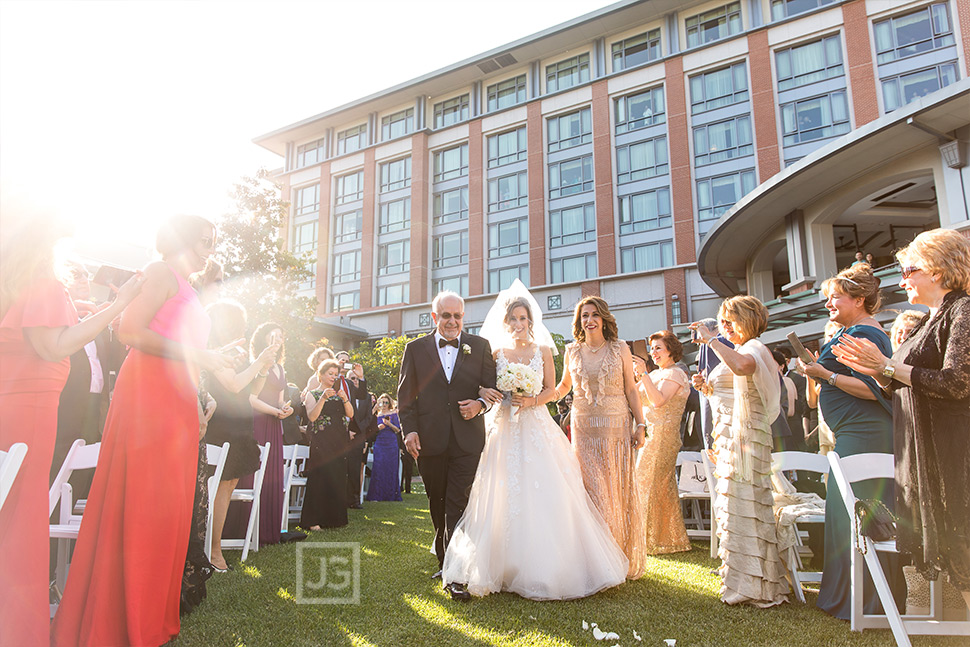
point(860, 426)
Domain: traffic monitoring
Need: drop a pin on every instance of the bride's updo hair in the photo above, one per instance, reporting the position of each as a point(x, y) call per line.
point(518, 302)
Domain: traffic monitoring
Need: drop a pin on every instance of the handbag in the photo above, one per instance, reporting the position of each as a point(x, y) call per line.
point(873, 520)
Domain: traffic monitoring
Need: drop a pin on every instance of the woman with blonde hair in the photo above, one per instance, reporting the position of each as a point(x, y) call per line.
point(598, 366)
point(929, 377)
point(860, 417)
point(903, 326)
point(745, 396)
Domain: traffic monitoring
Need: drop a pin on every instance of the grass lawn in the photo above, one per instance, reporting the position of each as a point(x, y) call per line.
point(400, 605)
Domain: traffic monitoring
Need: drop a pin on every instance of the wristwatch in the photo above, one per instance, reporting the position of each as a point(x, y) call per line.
point(890, 370)
point(832, 378)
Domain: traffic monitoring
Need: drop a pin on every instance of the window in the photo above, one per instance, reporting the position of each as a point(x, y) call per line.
point(508, 192)
point(902, 89)
point(723, 140)
point(506, 148)
point(641, 160)
point(636, 50)
point(346, 267)
point(395, 216)
point(449, 249)
point(640, 110)
point(502, 278)
point(645, 211)
point(647, 257)
point(312, 153)
point(352, 139)
point(451, 111)
point(719, 88)
point(396, 175)
point(571, 226)
point(389, 294)
point(305, 242)
point(458, 284)
point(913, 33)
point(506, 93)
point(397, 124)
point(451, 206)
point(307, 200)
point(784, 8)
point(571, 176)
point(716, 195)
point(345, 301)
point(573, 268)
point(394, 258)
point(350, 187)
point(348, 226)
point(714, 25)
point(451, 163)
point(509, 237)
point(566, 74)
point(809, 63)
point(570, 130)
point(818, 118)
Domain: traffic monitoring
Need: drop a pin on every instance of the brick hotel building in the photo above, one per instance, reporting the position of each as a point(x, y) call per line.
point(597, 156)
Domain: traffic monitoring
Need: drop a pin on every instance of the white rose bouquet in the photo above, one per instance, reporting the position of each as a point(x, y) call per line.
point(520, 379)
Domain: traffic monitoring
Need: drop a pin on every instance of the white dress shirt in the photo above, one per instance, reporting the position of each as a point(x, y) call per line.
point(97, 375)
point(447, 354)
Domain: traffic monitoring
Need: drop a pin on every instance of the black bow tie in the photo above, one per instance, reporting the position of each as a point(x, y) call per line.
point(444, 342)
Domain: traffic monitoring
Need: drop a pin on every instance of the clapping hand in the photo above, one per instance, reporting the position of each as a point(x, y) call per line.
point(129, 289)
point(860, 355)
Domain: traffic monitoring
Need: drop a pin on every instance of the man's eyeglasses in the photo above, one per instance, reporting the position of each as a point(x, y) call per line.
point(908, 271)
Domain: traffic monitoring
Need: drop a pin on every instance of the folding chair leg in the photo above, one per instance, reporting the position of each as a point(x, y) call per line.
point(63, 547)
point(251, 529)
point(885, 595)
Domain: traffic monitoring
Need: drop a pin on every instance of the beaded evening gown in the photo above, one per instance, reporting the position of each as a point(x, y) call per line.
point(601, 435)
point(530, 527)
point(751, 568)
point(656, 472)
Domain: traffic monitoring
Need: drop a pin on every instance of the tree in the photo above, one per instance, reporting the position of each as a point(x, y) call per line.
point(262, 274)
point(382, 362)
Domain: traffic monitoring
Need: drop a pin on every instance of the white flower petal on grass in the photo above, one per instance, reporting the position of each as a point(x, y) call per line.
point(636, 635)
point(670, 641)
point(585, 626)
point(603, 635)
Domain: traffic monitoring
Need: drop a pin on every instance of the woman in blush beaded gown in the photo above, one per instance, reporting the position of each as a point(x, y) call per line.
point(530, 527)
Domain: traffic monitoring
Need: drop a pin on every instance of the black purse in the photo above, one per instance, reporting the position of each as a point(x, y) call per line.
point(873, 520)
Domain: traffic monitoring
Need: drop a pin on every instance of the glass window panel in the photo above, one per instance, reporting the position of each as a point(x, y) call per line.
point(640, 110)
point(451, 111)
point(451, 206)
point(567, 73)
point(636, 50)
point(396, 175)
point(395, 216)
point(352, 139)
point(451, 163)
point(506, 93)
point(348, 226)
point(502, 278)
point(397, 124)
point(508, 192)
point(507, 148)
point(394, 257)
point(350, 187)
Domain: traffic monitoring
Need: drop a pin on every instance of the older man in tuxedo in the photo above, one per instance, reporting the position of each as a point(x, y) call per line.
point(441, 414)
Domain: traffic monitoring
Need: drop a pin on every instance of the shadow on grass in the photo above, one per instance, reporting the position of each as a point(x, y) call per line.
point(401, 606)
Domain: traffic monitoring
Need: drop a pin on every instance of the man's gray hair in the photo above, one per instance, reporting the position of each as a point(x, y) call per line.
point(709, 322)
point(444, 295)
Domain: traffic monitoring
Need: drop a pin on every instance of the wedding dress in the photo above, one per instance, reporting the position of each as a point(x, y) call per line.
point(530, 527)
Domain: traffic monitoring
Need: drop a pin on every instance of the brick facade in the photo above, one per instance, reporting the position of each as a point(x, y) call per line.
point(862, 78)
point(420, 225)
point(603, 179)
point(678, 134)
point(763, 105)
point(537, 202)
point(476, 210)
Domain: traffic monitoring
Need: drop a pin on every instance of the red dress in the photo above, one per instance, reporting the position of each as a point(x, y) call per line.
point(29, 391)
point(126, 572)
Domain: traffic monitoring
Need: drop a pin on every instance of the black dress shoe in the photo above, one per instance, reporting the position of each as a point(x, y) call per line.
point(355, 506)
point(458, 592)
point(436, 575)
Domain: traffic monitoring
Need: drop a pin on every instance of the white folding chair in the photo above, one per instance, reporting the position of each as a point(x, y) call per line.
point(712, 488)
point(215, 456)
point(79, 457)
point(692, 498)
point(246, 495)
point(862, 467)
point(294, 485)
point(10, 462)
point(805, 462)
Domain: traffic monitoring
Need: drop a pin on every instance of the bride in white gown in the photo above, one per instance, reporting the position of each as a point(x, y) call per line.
point(530, 527)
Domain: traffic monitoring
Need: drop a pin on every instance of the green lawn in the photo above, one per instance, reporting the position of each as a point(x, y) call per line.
point(254, 605)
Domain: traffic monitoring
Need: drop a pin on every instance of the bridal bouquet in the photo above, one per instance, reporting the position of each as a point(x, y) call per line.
point(520, 379)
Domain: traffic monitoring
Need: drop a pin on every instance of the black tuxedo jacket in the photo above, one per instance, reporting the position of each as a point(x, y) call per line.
point(428, 403)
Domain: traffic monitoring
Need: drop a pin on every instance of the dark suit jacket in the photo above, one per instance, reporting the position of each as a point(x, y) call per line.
point(428, 403)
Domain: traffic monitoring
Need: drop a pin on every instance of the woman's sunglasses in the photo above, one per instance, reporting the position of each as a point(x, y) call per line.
point(908, 271)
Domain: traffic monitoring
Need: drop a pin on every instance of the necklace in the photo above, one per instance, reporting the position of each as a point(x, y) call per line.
point(596, 350)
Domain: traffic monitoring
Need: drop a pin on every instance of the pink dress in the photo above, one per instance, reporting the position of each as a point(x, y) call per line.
point(126, 572)
point(29, 389)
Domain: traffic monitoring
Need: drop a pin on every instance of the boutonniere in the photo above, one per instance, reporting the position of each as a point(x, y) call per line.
point(466, 349)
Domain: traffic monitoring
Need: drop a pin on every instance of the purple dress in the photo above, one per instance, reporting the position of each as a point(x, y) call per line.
point(268, 428)
point(385, 481)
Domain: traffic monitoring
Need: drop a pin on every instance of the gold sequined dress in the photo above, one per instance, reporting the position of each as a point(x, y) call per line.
point(601, 435)
point(751, 568)
point(656, 472)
